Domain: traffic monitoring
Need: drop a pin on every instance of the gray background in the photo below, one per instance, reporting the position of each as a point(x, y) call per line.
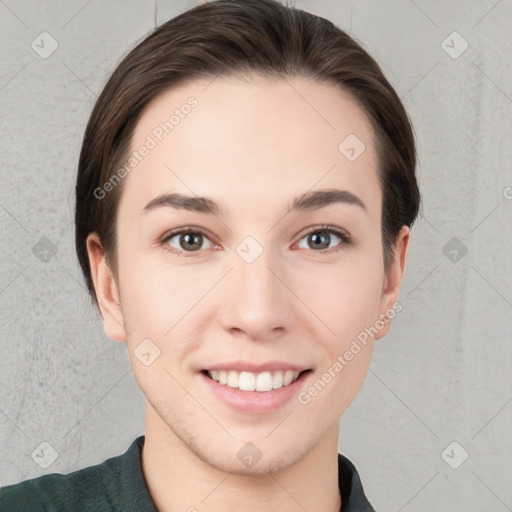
point(442, 375)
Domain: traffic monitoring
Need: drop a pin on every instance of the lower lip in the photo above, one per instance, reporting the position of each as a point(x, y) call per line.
point(255, 402)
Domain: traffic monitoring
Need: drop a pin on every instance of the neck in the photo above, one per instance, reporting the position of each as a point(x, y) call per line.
point(179, 478)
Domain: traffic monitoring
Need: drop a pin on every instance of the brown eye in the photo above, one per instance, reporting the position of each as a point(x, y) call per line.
point(192, 241)
point(321, 239)
point(187, 241)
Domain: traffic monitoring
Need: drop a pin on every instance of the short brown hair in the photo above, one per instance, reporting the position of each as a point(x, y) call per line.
point(233, 37)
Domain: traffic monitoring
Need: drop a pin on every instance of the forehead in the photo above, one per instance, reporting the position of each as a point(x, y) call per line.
point(252, 143)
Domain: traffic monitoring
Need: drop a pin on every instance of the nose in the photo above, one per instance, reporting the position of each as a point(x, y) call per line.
point(257, 301)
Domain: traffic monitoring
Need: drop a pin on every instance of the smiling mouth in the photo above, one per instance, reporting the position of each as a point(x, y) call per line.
point(249, 381)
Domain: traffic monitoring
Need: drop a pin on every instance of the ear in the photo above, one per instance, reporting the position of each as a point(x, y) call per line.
point(393, 279)
point(106, 290)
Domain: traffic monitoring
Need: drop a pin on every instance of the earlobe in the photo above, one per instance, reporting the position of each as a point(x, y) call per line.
point(106, 289)
point(393, 278)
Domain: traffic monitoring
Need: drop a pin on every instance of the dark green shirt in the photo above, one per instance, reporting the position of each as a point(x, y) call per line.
point(118, 484)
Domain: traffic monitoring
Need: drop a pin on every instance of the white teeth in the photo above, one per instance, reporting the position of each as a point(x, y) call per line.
point(288, 377)
point(232, 379)
point(264, 381)
point(277, 380)
point(248, 381)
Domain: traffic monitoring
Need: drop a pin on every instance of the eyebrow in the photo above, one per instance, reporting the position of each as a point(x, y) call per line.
point(309, 201)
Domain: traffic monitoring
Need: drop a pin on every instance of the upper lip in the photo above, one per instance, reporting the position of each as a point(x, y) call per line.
point(267, 366)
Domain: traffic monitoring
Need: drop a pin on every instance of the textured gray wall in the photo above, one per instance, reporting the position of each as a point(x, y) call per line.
point(442, 375)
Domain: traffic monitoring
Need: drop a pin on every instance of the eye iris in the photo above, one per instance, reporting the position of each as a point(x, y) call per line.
point(189, 241)
point(317, 240)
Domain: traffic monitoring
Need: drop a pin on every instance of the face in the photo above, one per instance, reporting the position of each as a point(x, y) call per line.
point(267, 274)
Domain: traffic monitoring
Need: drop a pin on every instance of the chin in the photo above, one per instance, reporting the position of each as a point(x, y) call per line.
point(263, 467)
point(247, 459)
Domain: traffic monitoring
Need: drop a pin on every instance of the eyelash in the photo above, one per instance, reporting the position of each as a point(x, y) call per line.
point(346, 239)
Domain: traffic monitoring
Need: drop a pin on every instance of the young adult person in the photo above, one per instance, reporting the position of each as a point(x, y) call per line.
point(244, 195)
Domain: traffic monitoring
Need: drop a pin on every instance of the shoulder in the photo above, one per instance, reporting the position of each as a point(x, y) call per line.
point(351, 487)
point(57, 491)
point(100, 488)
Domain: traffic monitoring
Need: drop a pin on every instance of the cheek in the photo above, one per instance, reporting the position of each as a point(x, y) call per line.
point(347, 299)
point(349, 306)
point(156, 297)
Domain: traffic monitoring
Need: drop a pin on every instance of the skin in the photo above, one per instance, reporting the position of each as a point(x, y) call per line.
point(295, 302)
